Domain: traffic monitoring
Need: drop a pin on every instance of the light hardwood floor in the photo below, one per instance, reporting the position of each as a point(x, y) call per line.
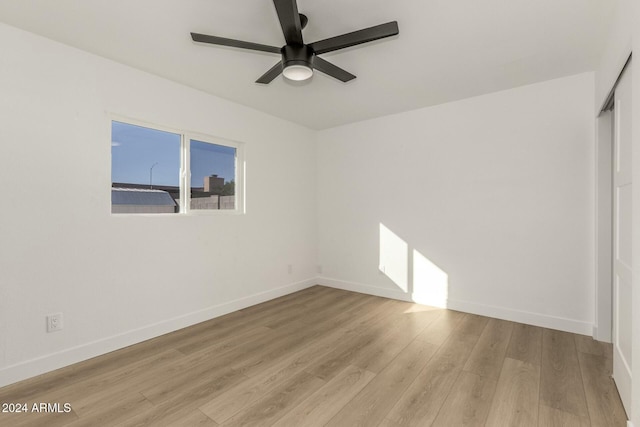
point(329, 357)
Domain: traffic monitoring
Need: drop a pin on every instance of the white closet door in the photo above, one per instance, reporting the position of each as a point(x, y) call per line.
point(622, 307)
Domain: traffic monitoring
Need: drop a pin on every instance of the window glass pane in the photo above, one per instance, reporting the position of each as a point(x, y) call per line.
point(213, 173)
point(145, 170)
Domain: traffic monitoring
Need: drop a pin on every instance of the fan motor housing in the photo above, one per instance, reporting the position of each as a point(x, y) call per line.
point(297, 55)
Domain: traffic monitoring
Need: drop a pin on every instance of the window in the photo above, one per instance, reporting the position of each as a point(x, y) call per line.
point(213, 172)
point(161, 171)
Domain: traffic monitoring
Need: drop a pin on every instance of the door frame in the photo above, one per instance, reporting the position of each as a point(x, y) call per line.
point(603, 319)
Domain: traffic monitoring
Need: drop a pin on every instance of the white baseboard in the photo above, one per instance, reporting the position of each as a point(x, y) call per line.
point(529, 318)
point(50, 362)
point(601, 335)
point(363, 289)
point(535, 319)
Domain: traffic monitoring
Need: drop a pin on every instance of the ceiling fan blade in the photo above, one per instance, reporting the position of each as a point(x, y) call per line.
point(203, 38)
point(274, 72)
point(355, 38)
point(332, 70)
point(289, 21)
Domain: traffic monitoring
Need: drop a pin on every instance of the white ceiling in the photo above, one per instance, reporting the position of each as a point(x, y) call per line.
point(446, 50)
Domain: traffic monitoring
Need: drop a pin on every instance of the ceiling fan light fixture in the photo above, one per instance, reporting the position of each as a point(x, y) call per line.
point(299, 59)
point(297, 72)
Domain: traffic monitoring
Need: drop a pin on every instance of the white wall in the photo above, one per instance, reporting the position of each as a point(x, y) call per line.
point(496, 191)
point(119, 280)
point(617, 48)
point(604, 227)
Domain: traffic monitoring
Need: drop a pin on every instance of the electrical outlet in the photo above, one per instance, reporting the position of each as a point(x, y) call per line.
point(319, 269)
point(54, 322)
point(290, 268)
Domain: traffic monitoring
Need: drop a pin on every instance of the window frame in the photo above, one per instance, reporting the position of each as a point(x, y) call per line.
point(186, 137)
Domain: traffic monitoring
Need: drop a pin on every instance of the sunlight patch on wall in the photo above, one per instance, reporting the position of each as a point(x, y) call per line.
point(412, 272)
point(430, 283)
point(394, 258)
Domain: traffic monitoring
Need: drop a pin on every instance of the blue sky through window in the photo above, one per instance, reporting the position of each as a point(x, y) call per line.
point(137, 149)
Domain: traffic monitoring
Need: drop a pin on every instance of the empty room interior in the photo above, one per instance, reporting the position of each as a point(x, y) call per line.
point(303, 213)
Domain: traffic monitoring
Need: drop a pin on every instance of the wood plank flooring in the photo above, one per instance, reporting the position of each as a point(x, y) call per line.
point(324, 356)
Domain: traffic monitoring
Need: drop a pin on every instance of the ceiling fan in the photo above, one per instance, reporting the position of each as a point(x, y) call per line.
point(300, 59)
